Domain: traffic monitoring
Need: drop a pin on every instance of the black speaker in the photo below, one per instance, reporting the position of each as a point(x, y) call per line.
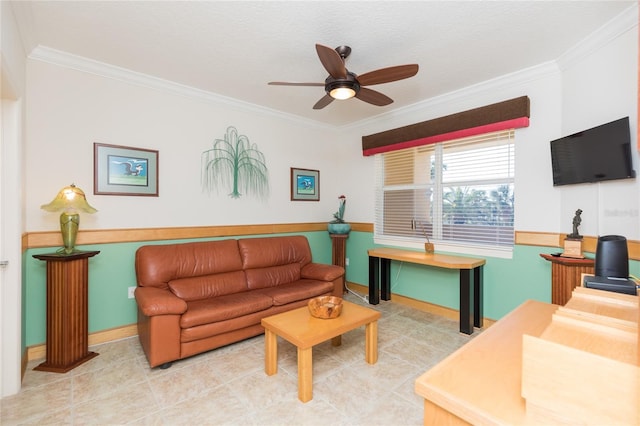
point(612, 257)
point(617, 285)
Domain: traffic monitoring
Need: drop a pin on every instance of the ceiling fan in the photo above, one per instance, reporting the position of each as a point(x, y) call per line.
point(344, 84)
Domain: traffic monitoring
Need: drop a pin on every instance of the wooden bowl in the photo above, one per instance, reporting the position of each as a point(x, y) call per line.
point(325, 307)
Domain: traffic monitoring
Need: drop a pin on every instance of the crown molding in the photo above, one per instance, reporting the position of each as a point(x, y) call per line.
point(102, 69)
point(619, 25)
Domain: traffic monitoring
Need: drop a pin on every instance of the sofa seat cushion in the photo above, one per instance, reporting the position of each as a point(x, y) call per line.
point(295, 291)
point(223, 308)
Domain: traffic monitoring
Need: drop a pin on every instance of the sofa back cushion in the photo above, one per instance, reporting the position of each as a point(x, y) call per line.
point(205, 287)
point(157, 265)
point(272, 276)
point(273, 261)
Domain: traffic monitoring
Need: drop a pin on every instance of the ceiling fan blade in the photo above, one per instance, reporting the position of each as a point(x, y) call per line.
point(323, 102)
point(332, 61)
point(373, 97)
point(288, 83)
point(386, 75)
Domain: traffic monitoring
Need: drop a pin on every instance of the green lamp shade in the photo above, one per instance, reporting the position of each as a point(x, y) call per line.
point(69, 200)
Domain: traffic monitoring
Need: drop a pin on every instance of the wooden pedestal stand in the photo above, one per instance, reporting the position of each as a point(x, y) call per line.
point(339, 252)
point(67, 311)
point(566, 273)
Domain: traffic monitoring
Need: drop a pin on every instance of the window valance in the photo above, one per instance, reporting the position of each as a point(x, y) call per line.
point(511, 114)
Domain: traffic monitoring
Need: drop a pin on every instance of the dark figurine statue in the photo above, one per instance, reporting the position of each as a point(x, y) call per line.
point(576, 223)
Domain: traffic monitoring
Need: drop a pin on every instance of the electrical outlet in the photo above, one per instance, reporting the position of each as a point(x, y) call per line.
point(346, 262)
point(130, 292)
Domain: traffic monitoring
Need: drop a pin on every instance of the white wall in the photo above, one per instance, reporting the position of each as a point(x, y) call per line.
point(69, 110)
point(597, 89)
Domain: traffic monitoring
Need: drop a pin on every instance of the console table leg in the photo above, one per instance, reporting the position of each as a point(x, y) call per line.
point(466, 302)
point(374, 280)
point(477, 297)
point(385, 279)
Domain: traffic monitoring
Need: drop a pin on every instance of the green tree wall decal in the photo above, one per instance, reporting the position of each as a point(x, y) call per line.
point(235, 163)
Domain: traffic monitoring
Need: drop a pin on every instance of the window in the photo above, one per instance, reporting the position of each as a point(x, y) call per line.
point(458, 192)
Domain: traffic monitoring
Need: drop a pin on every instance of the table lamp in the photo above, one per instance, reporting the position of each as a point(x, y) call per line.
point(69, 200)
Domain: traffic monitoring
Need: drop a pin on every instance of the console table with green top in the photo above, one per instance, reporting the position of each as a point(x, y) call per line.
point(471, 271)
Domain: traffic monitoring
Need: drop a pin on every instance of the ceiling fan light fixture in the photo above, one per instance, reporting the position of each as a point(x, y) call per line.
point(344, 88)
point(342, 93)
point(343, 84)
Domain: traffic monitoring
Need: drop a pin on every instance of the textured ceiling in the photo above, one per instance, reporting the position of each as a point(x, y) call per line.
point(234, 48)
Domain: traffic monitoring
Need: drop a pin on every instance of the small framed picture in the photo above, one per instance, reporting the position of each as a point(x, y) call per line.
point(305, 185)
point(123, 170)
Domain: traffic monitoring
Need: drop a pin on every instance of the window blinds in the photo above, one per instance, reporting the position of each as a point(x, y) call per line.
point(460, 191)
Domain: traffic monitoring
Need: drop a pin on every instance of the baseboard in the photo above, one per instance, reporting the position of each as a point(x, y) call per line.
point(420, 305)
point(23, 364)
point(104, 336)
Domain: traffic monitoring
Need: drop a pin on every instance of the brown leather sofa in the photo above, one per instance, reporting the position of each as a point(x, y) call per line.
point(194, 297)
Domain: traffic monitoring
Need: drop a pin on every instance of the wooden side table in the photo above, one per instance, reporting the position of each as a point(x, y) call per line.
point(304, 331)
point(339, 253)
point(566, 273)
point(67, 311)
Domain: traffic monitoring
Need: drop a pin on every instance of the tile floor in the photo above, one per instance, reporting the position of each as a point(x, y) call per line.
point(229, 386)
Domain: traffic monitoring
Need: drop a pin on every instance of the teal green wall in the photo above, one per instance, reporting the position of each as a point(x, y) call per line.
point(111, 272)
point(507, 282)
point(357, 245)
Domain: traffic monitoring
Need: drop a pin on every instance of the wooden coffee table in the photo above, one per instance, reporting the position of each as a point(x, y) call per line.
point(300, 328)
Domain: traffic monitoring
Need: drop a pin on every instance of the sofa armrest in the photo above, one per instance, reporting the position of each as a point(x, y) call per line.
point(156, 301)
point(321, 271)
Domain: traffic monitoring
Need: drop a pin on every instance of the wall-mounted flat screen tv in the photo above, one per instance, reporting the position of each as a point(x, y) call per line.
point(593, 155)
